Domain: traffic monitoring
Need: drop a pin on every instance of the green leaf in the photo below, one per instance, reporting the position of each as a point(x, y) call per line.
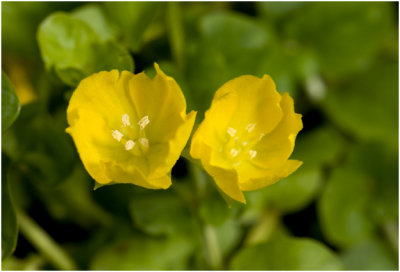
point(9, 227)
point(76, 50)
point(230, 32)
point(380, 163)
point(294, 192)
point(65, 41)
point(318, 147)
point(47, 155)
point(133, 19)
point(357, 31)
point(287, 195)
point(370, 255)
point(367, 106)
point(236, 40)
point(229, 46)
point(73, 200)
point(94, 16)
point(280, 64)
point(10, 106)
point(370, 173)
point(138, 252)
point(110, 55)
point(343, 209)
point(277, 9)
point(286, 254)
point(152, 212)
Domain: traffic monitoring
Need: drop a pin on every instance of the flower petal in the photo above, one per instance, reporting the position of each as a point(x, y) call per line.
point(93, 139)
point(258, 103)
point(161, 99)
point(217, 118)
point(127, 175)
point(103, 93)
point(276, 147)
point(162, 157)
point(226, 180)
point(269, 176)
point(213, 130)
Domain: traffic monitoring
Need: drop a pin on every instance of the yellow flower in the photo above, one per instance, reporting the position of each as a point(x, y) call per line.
point(247, 136)
point(129, 128)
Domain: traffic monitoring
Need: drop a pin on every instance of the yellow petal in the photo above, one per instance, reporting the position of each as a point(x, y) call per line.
point(92, 145)
point(161, 99)
point(162, 157)
point(258, 103)
point(226, 180)
point(270, 176)
point(213, 129)
point(104, 93)
point(276, 147)
point(127, 175)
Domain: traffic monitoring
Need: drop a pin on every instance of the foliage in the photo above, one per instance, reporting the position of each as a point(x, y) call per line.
point(339, 62)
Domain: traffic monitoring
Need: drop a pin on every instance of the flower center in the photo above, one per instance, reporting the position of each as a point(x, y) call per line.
point(240, 147)
point(132, 140)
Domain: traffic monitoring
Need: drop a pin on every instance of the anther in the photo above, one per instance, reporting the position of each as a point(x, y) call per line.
point(231, 131)
point(244, 143)
point(144, 142)
point(252, 153)
point(234, 152)
point(125, 120)
point(117, 135)
point(129, 145)
point(250, 127)
point(261, 136)
point(144, 122)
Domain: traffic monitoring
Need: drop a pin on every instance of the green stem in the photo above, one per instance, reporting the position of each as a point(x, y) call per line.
point(44, 243)
point(210, 239)
point(212, 247)
point(262, 231)
point(176, 33)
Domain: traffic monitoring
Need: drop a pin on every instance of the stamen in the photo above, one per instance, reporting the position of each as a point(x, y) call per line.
point(261, 136)
point(231, 131)
point(234, 152)
point(117, 135)
point(244, 143)
point(144, 142)
point(125, 120)
point(144, 122)
point(252, 153)
point(250, 127)
point(129, 145)
point(237, 163)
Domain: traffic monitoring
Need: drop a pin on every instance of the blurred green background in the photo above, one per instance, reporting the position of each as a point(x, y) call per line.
point(339, 60)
